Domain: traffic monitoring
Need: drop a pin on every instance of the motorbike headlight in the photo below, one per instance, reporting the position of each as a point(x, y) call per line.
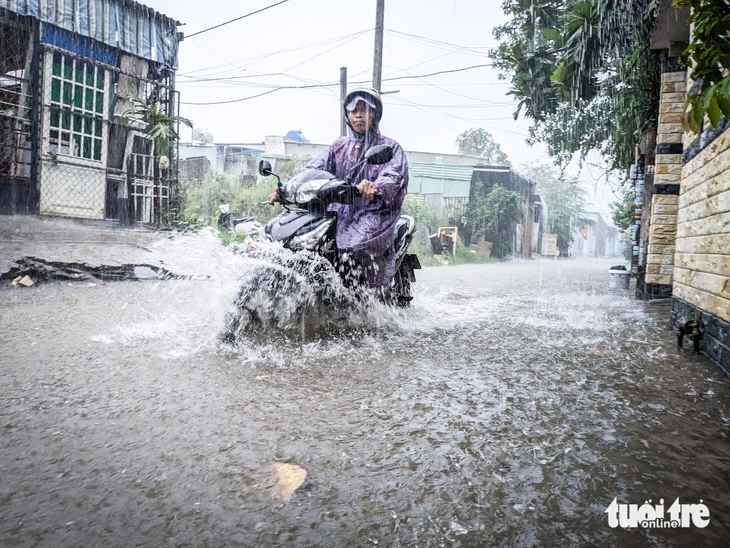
point(302, 193)
point(310, 240)
point(306, 192)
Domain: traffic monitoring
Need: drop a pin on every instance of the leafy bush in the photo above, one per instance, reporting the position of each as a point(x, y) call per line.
point(423, 214)
point(200, 200)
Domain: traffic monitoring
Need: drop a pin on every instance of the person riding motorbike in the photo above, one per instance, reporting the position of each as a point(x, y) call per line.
point(365, 228)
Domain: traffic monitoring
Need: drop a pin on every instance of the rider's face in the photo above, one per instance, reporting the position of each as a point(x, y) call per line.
point(361, 118)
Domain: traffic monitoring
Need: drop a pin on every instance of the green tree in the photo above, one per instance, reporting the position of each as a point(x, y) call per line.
point(201, 199)
point(709, 56)
point(477, 142)
point(583, 72)
point(622, 211)
point(564, 196)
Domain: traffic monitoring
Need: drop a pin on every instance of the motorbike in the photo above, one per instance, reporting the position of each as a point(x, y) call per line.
point(308, 229)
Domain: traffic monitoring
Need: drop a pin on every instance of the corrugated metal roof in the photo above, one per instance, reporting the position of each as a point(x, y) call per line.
point(448, 180)
point(122, 24)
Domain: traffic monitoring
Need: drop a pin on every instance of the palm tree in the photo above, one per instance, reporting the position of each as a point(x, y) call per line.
point(159, 127)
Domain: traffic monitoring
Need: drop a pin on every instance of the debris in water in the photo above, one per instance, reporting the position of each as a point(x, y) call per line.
point(43, 270)
point(145, 273)
point(288, 477)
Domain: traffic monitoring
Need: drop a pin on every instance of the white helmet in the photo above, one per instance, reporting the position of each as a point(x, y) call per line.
point(371, 96)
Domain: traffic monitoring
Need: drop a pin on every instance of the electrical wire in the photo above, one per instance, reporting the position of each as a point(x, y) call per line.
point(417, 106)
point(238, 18)
point(409, 77)
point(438, 43)
point(253, 96)
point(240, 62)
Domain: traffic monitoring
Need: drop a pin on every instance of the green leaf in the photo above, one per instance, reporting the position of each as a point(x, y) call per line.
point(694, 126)
point(558, 76)
point(552, 34)
point(723, 87)
point(724, 104)
point(713, 111)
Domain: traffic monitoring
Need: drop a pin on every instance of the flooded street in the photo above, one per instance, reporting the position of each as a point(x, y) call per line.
point(507, 407)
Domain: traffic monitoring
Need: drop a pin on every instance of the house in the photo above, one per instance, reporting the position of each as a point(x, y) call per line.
point(443, 181)
point(238, 159)
point(66, 70)
point(445, 188)
point(524, 236)
point(289, 146)
point(683, 203)
point(593, 238)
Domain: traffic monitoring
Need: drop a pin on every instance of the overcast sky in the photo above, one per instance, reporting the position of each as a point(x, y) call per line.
point(305, 42)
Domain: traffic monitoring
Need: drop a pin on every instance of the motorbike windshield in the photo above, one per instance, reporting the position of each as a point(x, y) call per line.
point(303, 187)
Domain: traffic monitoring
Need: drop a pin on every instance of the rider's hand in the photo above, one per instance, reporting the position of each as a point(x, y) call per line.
point(273, 195)
point(367, 189)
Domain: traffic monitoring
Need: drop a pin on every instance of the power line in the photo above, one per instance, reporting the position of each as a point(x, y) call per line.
point(436, 73)
point(237, 19)
point(443, 44)
point(405, 102)
point(255, 96)
point(270, 54)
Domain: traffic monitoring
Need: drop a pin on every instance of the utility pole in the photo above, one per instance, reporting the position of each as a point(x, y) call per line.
point(378, 60)
point(343, 97)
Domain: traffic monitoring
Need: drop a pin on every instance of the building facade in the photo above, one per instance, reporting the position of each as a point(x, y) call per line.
point(67, 71)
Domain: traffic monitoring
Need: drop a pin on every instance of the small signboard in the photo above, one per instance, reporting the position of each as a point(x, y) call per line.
point(549, 244)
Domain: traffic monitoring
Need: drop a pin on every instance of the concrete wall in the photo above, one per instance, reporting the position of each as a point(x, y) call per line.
point(668, 171)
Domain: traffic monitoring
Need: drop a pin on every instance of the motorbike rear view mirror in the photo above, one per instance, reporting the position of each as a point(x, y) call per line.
point(265, 168)
point(379, 154)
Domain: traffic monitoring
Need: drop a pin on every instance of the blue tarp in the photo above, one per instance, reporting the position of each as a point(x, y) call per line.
point(80, 45)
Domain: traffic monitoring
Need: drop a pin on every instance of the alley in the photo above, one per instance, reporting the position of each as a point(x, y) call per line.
point(508, 406)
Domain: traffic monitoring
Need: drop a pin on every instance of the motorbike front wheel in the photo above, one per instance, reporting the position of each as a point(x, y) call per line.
point(401, 290)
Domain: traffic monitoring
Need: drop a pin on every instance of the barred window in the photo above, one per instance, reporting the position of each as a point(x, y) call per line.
point(76, 108)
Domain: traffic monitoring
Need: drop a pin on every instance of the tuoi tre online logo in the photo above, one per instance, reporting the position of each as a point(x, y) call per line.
point(655, 517)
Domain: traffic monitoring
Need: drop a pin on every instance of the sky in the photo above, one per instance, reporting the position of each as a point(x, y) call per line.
point(305, 42)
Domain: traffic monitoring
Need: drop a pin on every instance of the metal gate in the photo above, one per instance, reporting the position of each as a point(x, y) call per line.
point(17, 193)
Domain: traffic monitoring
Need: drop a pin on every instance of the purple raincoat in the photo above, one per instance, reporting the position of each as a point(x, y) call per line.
point(366, 230)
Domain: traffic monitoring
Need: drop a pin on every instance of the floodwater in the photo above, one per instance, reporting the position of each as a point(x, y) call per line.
point(508, 407)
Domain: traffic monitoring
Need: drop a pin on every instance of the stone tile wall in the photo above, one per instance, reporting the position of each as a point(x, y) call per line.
point(668, 172)
point(702, 259)
point(702, 254)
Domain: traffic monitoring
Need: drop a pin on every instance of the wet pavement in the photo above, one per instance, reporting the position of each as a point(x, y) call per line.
point(507, 407)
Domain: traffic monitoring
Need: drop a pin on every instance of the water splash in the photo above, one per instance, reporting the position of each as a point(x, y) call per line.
point(286, 293)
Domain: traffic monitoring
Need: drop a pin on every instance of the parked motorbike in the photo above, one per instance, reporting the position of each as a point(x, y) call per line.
point(308, 229)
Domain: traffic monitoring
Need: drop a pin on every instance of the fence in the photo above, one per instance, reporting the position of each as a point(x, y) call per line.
point(16, 58)
point(66, 150)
